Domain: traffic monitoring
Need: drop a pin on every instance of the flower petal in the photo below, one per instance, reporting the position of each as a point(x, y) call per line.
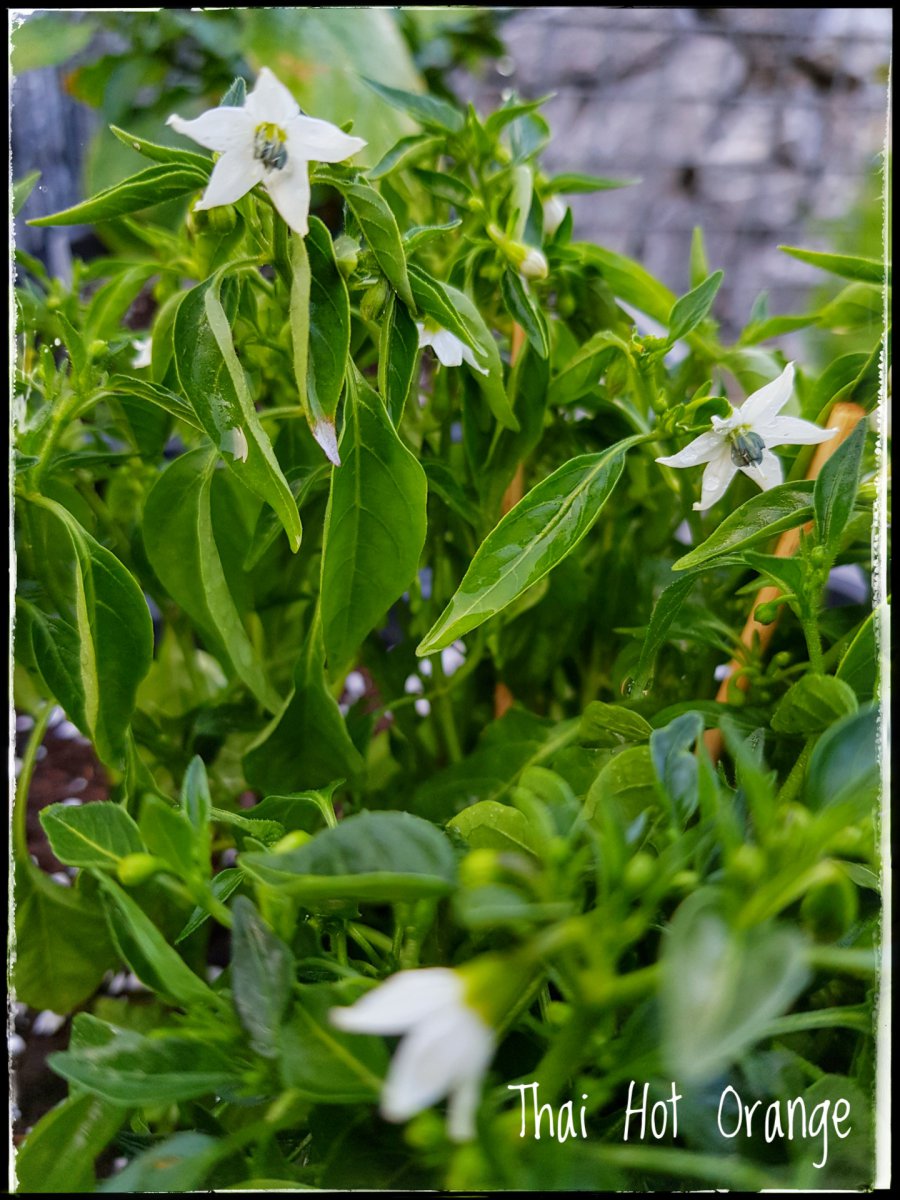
point(289, 189)
point(401, 1001)
point(718, 475)
point(270, 101)
point(770, 399)
point(793, 431)
point(232, 177)
point(700, 450)
point(310, 138)
point(451, 1045)
point(469, 357)
point(220, 129)
point(768, 474)
point(448, 348)
point(464, 1102)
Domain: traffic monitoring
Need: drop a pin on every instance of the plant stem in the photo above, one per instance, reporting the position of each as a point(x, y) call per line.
point(20, 810)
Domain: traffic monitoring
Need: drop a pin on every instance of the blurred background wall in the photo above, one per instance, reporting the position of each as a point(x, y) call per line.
point(762, 125)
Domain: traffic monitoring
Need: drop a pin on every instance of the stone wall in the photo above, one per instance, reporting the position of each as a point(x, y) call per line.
point(758, 124)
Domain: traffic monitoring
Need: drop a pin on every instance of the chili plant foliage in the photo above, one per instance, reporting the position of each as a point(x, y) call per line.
point(370, 573)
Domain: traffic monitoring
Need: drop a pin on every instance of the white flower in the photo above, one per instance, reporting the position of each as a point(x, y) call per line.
point(450, 350)
point(534, 264)
point(744, 441)
point(268, 141)
point(143, 352)
point(446, 1047)
point(554, 214)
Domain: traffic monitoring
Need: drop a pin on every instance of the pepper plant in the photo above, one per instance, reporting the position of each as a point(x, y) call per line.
point(369, 571)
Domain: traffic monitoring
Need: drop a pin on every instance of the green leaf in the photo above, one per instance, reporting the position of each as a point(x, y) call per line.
point(574, 182)
point(164, 154)
point(154, 185)
point(329, 330)
point(168, 834)
point(600, 719)
point(58, 1154)
point(522, 308)
point(181, 546)
point(324, 1064)
point(179, 1163)
point(445, 187)
point(510, 448)
point(307, 743)
point(223, 885)
point(196, 804)
point(433, 298)
point(699, 262)
point(379, 227)
point(213, 381)
point(581, 372)
point(262, 977)
point(536, 535)
point(371, 856)
point(675, 763)
point(624, 788)
point(836, 487)
point(844, 765)
point(486, 350)
point(859, 666)
point(98, 646)
point(760, 517)
point(721, 987)
point(398, 353)
point(629, 281)
point(690, 310)
point(94, 835)
point(511, 110)
point(665, 612)
point(130, 1069)
point(494, 826)
point(812, 704)
point(430, 111)
point(148, 954)
point(374, 525)
point(848, 266)
point(64, 926)
point(144, 392)
point(22, 189)
point(403, 153)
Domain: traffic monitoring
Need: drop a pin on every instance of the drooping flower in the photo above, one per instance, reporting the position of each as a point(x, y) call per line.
point(267, 141)
point(744, 441)
point(446, 1047)
point(450, 350)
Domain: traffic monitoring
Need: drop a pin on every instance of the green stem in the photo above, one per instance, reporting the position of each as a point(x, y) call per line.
point(20, 810)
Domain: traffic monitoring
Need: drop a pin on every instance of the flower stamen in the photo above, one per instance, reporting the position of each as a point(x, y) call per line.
point(747, 447)
point(269, 146)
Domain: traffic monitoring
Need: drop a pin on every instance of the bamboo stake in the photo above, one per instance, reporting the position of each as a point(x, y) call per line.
point(503, 697)
point(844, 416)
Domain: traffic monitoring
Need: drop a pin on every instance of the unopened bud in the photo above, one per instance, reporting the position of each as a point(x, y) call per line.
point(554, 214)
point(136, 868)
point(768, 612)
point(534, 265)
point(373, 300)
point(346, 253)
point(291, 841)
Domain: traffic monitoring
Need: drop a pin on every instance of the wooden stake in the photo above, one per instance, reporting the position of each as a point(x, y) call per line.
point(844, 416)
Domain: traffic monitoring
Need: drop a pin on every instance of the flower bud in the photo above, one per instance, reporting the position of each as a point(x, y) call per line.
point(374, 300)
point(639, 873)
point(478, 868)
point(768, 612)
point(554, 214)
point(291, 841)
point(534, 265)
point(346, 253)
point(136, 868)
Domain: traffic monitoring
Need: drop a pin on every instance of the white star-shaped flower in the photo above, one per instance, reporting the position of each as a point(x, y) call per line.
point(744, 441)
point(450, 350)
point(446, 1047)
point(267, 141)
